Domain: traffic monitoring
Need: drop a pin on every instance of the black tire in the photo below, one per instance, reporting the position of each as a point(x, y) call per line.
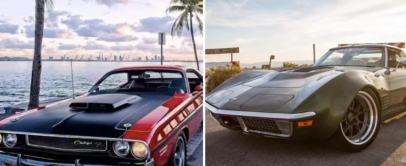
point(344, 137)
point(174, 160)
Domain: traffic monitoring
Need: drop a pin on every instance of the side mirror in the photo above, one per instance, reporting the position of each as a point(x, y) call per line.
point(199, 88)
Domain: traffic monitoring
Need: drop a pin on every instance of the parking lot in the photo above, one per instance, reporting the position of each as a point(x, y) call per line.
point(227, 147)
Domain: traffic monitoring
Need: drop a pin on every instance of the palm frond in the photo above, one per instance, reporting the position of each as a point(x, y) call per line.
point(180, 23)
point(175, 8)
point(198, 10)
point(200, 24)
point(49, 4)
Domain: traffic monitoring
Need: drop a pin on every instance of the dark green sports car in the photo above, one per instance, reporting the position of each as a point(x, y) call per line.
point(343, 98)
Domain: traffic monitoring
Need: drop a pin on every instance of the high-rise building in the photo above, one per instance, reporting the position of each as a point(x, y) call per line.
point(146, 58)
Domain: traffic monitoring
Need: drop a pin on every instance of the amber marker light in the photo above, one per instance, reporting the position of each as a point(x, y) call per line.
point(305, 123)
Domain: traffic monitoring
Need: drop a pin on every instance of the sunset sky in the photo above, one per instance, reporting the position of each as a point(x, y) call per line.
point(288, 28)
point(90, 27)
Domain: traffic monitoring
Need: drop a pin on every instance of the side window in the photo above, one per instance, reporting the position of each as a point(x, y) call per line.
point(392, 55)
point(192, 75)
point(114, 81)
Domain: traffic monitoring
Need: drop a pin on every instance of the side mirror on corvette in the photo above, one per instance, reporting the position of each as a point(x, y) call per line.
point(199, 88)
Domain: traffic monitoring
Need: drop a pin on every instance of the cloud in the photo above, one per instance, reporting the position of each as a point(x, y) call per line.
point(53, 18)
point(149, 48)
point(94, 46)
point(68, 47)
point(117, 38)
point(98, 28)
point(155, 24)
point(123, 47)
point(30, 19)
point(8, 28)
point(150, 40)
point(14, 43)
point(73, 21)
point(49, 32)
point(110, 3)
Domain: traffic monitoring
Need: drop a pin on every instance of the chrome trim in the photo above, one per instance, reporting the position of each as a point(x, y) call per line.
point(242, 124)
point(18, 160)
point(212, 116)
point(269, 133)
point(61, 149)
point(281, 116)
point(70, 136)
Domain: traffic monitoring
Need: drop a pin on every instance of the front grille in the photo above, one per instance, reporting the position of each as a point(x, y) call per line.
point(261, 124)
point(67, 144)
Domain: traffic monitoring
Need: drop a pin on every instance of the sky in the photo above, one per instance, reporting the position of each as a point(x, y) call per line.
point(91, 27)
point(289, 28)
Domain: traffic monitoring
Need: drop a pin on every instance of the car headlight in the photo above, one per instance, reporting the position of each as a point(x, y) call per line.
point(139, 150)
point(121, 148)
point(10, 140)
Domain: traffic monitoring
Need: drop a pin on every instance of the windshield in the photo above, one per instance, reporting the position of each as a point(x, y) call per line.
point(153, 81)
point(353, 56)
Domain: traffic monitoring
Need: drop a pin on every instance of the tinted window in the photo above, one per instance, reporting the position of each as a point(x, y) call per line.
point(353, 56)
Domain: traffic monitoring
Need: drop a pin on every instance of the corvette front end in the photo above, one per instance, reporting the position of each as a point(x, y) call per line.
point(267, 124)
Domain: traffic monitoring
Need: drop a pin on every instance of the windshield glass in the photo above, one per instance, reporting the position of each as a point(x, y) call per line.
point(154, 81)
point(353, 56)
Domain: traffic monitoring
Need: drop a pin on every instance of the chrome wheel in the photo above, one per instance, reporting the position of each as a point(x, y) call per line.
point(359, 122)
point(180, 150)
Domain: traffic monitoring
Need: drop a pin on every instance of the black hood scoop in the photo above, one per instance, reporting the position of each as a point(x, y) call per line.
point(103, 102)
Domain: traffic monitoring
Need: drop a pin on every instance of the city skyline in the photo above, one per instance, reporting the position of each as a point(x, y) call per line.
point(70, 29)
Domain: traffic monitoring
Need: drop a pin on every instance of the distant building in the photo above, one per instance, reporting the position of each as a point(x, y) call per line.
point(146, 58)
point(51, 58)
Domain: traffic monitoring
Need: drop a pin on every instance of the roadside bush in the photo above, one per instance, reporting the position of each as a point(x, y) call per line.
point(289, 65)
point(306, 65)
point(219, 75)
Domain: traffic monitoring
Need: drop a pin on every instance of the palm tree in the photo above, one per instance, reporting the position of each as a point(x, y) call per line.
point(189, 8)
point(36, 62)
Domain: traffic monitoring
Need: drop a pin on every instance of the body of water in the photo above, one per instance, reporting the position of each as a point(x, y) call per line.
point(15, 78)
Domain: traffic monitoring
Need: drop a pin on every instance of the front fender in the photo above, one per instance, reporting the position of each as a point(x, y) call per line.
point(330, 98)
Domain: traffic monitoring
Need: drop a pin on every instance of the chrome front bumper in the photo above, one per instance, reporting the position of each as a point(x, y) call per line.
point(6, 159)
point(260, 114)
point(287, 118)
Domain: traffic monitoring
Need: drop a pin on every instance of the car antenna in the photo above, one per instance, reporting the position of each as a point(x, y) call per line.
point(126, 126)
point(71, 71)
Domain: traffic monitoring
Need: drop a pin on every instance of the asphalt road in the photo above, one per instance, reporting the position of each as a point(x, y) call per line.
point(227, 147)
point(195, 149)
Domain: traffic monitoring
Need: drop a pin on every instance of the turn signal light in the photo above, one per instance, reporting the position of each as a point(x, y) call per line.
point(305, 123)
